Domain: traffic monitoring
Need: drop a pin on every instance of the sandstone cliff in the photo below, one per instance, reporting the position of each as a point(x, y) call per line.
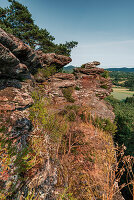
point(55, 128)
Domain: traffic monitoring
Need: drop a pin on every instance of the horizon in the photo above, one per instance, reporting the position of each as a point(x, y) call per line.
point(103, 29)
point(102, 66)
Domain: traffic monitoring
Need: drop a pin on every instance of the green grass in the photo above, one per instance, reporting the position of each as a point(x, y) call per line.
point(121, 93)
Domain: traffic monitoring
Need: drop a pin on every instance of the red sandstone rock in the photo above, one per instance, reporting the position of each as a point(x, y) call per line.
point(15, 98)
point(52, 58)
point(91, 64)
point(14, 52)
point(89, 89)
point(89, 71)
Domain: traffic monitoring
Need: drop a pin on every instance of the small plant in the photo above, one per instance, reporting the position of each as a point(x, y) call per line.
point(105, 125)
point(71, 116)
point(73, 107)
point(77, 88)
point(45, 72)
point(32, 195)
point(40, 115)
point(105, 74)
point(104, 86)
point(67, 93)
point(66, 196)
point(82, 66)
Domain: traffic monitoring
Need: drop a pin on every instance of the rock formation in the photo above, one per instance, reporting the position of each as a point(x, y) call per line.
point(18, 64)
point(43, 153)
point(89, 87)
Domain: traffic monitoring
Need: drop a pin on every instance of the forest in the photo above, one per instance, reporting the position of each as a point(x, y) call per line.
point(124, 119)
point(123, 79)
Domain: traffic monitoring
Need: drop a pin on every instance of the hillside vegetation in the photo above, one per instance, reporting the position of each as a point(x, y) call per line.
point(124, 119)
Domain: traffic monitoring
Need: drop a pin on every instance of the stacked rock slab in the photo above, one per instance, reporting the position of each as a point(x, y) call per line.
point(89, 88)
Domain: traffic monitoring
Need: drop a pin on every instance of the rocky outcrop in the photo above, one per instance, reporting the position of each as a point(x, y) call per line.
point(44, 155)
point(18, 60)
point(18, 64)
point(89, 88)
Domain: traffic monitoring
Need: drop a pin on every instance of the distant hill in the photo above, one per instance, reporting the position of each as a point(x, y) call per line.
point(68, 69)
point(123, 69)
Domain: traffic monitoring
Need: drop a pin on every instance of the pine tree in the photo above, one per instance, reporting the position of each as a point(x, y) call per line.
point(17, 19)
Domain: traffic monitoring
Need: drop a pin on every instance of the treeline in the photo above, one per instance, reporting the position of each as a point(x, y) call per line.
point(123, 79)
point(124, 119)
point(17, 20)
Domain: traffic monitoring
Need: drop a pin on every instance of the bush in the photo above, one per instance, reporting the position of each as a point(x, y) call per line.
point(41, 116)
point(105, 125)
point(104, 86)
point(45, 72)
point(67, 93)
point(82, 66)
point(71, 116)
point(105, 74)
point(73, 107)
point(77, 88)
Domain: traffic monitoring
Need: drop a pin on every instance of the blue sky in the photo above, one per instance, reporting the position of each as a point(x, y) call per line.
point(104, 29)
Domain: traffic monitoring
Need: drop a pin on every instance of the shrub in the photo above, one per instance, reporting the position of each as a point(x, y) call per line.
point(72, 107)
point(45, 72)
point(105, 74)
point(71, 116)
point(82, 66)
point(104, 86)
point(105, 125)
point(40, 115)
point(67, 93)
point(77, 88)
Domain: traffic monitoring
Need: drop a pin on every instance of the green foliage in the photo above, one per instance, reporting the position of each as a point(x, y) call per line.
point(105, 74)
point(17, 19)
point(47, 121)
point(73, 107)
point(122, 79)
point(11, 157)
point(130, 100)
point(130, 84)
point(69, 69)
point(70, 112)
point(105, 124)
point(77, 88)
point(124, 117)
point(71, 116)
point(66, 196)
point(67, 93)
point(104, 86)
point(65, 49)
point(45, 72)
point(32, 195)
point(82, 66)
point(3, 129)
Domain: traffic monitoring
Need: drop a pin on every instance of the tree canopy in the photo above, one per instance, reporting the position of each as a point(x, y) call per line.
point(17, 19)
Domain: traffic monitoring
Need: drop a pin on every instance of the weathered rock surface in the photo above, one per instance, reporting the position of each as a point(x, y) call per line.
point(18, 62)
point(17, 59)
point(88, 88)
